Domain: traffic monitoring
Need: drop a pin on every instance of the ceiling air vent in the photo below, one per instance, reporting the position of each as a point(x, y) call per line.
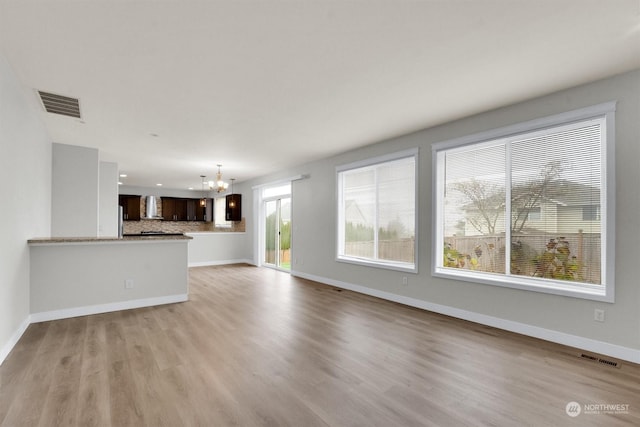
point(58, 104)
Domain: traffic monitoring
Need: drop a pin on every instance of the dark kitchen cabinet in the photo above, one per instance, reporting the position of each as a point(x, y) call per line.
point(130, 207)
point(169, 209)
point(233, 211)
point(208, 211)
point(201, 211)
point(191, 209)
point(195, 212)
point(181, 209)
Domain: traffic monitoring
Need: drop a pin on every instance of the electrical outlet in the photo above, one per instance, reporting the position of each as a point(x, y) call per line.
point(405, 281)
point(598, 315)
point(128, 284)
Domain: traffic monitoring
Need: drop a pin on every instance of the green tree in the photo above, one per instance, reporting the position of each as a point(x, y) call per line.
point(285, 235)
point(270, 236)
point(270, 232)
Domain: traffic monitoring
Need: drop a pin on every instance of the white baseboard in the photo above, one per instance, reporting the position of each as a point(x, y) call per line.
point(613, 350)
point(221, 262)
point(13, 340)
point(105, 308)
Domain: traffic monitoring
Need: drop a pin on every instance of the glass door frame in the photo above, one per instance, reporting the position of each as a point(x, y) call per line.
point(262, 218)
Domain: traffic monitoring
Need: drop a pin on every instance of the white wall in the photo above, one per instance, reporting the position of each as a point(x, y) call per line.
point(74, 191)
point(25, 175)
point(217, 248)
point(558, 318)
point(108, 200)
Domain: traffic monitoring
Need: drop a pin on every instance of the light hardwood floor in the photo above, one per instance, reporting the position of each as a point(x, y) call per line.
point(256, 346)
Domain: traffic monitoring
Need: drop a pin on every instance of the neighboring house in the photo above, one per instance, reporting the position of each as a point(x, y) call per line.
point(566, 207)
point(353, 213)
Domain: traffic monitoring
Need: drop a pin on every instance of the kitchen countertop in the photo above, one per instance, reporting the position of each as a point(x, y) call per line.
point(152, 233)
point(209, 233)
point(125, 239)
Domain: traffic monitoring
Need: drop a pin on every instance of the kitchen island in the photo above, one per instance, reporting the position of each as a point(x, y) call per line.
point(78, 276)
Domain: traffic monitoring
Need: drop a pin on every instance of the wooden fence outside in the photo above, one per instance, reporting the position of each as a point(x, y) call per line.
point(391, 250)
point(270, 256)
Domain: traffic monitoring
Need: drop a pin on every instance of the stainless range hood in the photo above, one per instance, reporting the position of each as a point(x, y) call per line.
point(152, 208)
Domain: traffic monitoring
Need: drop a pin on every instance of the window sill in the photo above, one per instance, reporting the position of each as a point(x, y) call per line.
point(388, 265)
point(584, 291)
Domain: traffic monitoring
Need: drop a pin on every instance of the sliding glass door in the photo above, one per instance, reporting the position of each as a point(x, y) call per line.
point(277, 239)
point(275, 219)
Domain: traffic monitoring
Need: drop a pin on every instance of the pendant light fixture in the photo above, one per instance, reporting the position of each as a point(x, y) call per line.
point(232, 201)
point(233, 206)
point(219, 185)
point(203, 201)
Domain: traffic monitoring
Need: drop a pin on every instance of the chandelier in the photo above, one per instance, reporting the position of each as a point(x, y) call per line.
point(219, 185)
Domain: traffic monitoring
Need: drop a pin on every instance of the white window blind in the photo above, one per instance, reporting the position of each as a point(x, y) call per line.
point(527, 209)
point(377, 212)
point(560, 172)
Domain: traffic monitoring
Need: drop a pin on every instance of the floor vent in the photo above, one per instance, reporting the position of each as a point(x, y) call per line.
point(59, 104)
point(600, 360)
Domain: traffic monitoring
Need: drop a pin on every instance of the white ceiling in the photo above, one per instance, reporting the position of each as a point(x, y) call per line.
point(263, 85)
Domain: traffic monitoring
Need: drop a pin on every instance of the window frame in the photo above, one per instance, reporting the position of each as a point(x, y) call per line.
point(605, 291)
point(379, 160)
point(224, 223)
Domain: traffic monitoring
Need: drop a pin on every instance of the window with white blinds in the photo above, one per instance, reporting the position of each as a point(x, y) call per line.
point(529, 206)
point(377, 211)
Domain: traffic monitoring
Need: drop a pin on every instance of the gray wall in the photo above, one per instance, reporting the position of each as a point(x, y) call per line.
point(108, 200)
point(218, 248)
point(71, 276)
point(25, 186)
point(74, 191)
point(314, 218)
